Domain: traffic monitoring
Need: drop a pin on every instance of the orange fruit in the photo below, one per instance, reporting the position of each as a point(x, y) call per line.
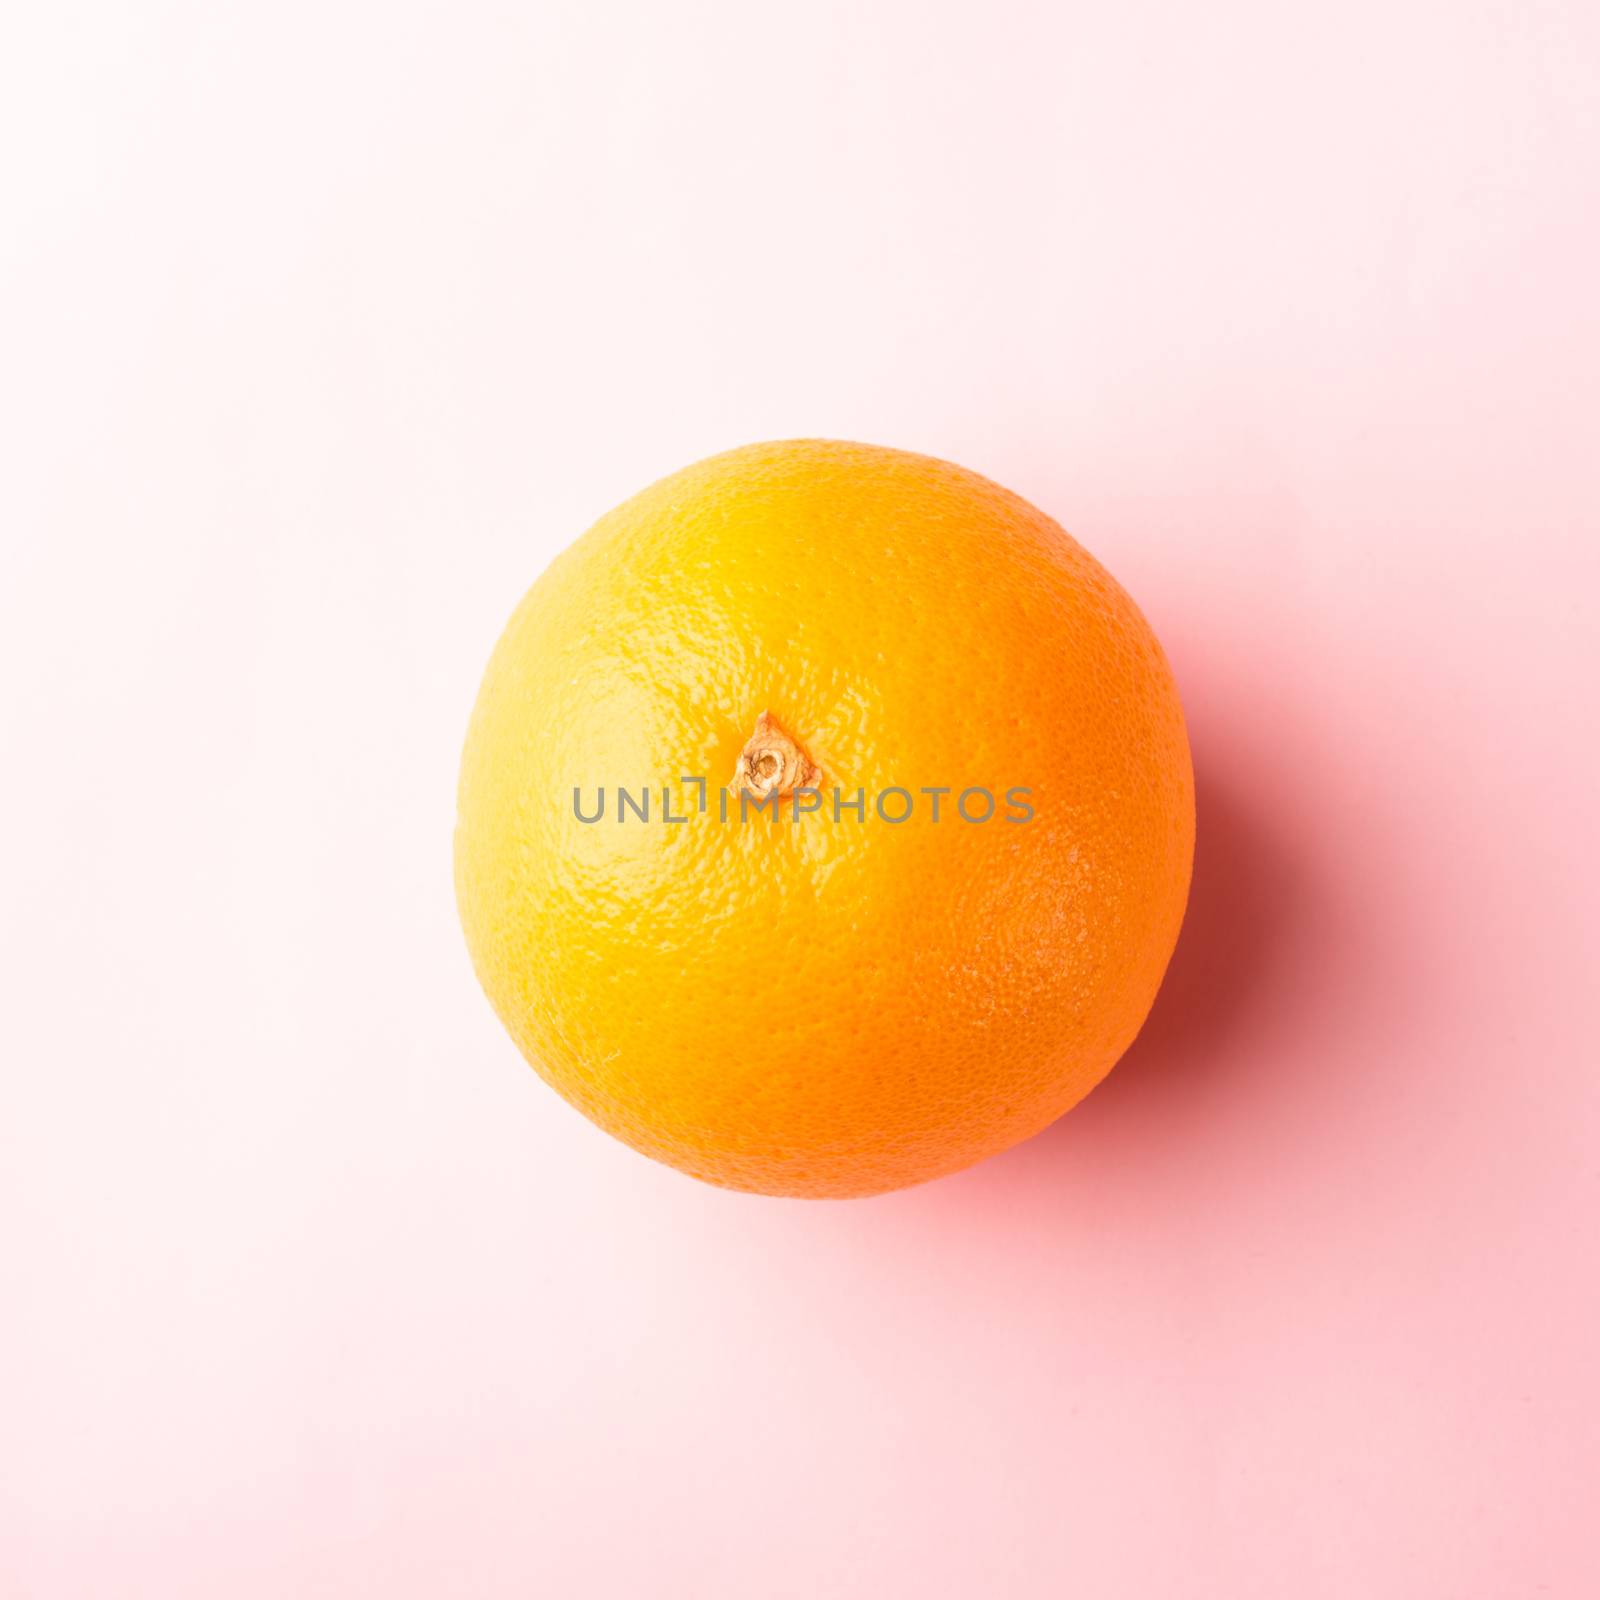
point(801, 1000)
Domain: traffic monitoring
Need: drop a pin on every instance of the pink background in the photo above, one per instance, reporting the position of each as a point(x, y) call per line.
point(325, 326)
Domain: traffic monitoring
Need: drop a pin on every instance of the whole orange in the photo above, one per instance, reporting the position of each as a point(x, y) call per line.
point(868, 974)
